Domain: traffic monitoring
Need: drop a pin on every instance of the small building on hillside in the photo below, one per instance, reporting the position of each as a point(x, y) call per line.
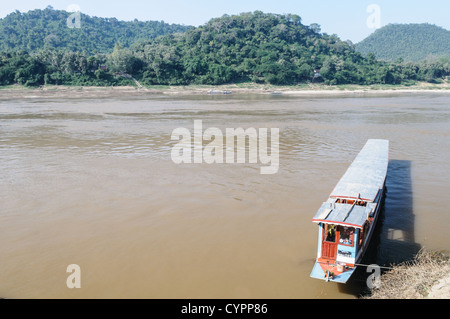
point(317, 77)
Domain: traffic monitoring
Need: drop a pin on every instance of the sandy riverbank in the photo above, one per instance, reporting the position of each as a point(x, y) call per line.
point(16, 91)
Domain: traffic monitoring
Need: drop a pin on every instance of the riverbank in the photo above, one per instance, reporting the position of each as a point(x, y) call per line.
point(426, 277)
point(17, 91)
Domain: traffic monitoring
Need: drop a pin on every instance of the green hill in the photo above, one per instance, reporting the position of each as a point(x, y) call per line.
point(252, 47)
point(38, 29)
point(411, 42)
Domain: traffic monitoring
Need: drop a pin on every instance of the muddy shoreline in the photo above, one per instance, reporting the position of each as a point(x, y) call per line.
point(18, 92)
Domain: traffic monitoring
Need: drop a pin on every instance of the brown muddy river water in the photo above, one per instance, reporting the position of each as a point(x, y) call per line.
point(91, 182)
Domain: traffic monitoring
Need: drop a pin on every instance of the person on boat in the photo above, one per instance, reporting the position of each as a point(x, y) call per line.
point(345, 237)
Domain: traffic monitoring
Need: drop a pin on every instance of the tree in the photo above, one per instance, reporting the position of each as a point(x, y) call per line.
point(122, 60)
point(315, 28)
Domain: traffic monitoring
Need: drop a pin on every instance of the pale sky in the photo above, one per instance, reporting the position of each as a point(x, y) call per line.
point(346, 18)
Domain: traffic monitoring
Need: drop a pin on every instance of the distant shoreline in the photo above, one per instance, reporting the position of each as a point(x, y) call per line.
point(52, 91)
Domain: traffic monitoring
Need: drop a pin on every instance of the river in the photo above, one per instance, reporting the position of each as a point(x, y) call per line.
point(91, 182)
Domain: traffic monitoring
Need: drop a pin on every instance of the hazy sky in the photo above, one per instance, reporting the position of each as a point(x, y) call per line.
point(346, 18)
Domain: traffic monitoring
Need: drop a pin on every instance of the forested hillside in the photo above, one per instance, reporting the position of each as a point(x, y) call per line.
point(256, 47)
point(251, 47)
point(264, 48)
point(47, 29)
point(410, 42)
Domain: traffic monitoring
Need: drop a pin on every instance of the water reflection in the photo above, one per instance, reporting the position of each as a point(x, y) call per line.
point(398, 230)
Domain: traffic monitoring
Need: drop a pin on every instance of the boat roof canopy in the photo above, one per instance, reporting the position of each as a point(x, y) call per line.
point(367, 173)
point(362, 182)
point(343, 214)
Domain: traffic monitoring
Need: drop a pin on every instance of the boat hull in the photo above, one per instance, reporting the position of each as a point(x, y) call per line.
point(319, 273)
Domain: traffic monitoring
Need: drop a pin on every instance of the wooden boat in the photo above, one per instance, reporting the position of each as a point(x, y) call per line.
point(348, 218)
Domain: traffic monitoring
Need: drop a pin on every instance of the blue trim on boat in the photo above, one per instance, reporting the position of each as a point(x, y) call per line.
point(344, 277)
point(318, 273)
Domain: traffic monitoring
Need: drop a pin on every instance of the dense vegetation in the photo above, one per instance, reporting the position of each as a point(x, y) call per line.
point(267, 48)
point(39, 29)
point(410, 42)
point(250, 47)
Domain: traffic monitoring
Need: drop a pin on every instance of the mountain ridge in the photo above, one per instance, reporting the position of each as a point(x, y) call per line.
point(47, 28)
point(411, 42)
